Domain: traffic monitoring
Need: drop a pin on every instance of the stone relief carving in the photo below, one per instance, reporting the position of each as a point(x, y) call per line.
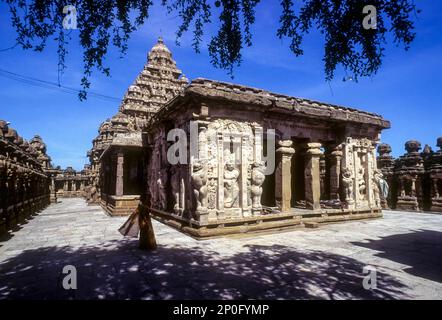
point(199, 185)
point(378, 187)
point(231, 187)
point(229, 142)
point(362, 187)
point(211, 197)
point(202, 142)
point(161, 198)
point(347, 183)
point(359, 158)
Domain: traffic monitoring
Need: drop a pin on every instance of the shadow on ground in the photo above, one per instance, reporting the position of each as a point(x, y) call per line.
point(6, 236)
point(117, 270)
point(421, 250)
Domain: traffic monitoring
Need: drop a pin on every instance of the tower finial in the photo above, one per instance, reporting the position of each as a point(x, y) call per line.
point(160, 38)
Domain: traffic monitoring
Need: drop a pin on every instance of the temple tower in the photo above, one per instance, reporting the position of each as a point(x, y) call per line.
point(117, 155)
point(409, 171)
point(386, 164)
point(159, 81)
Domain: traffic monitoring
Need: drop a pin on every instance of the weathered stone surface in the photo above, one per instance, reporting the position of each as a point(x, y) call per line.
point(415, 178)
point(69, 183)
point(247, 95)
point(24, 183)
point(435, 178)
point(283, 185)
point(386, 165)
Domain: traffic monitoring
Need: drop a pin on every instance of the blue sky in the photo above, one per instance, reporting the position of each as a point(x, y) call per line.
point(407, 90)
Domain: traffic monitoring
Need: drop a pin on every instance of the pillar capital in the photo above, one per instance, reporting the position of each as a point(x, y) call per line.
point(336, 153)
point(313, 148)
point(285, 147)
point(335, 150)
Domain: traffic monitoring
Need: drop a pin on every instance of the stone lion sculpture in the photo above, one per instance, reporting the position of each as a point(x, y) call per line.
point(199, 185)
point(347, 182)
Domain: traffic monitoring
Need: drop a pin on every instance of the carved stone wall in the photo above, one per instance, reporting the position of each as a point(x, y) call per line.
point(69, 183)
point(222, 180)
point(415, 178)
point(359, 163)
point(24, 182)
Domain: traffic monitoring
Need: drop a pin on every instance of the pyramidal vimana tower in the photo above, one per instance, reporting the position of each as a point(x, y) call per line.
point(116, 157)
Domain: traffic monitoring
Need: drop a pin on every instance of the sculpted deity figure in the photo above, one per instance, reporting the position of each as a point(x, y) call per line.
point(161, 187)
point(347, 182)
point(361, 183)
point(199, 185)
point(376, 188)
point(231, 188)
point(381, 188)
point(258, 178)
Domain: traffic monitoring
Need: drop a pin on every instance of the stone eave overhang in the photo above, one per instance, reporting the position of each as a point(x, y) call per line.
point(19, 153)
point(279, 103)
point(204, 89)
point(131, 140)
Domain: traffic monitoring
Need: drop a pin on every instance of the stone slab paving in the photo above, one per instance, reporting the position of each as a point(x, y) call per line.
point(324, 263)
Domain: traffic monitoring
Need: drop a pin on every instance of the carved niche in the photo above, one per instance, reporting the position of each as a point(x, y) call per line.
point(359, 164)
point(230, 153)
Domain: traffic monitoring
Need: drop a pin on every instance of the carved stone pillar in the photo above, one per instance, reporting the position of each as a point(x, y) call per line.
point(400, 189)
point(311, 176)
point(245, 188)
point(258, 143)
point(371, 166)
point(53, 195)
point(202, 140)
point(283, 176)
point(435, 192)
point(413, 187)
point(335, 171)
point(119, 191)
point(220, 146)
point(183, 188)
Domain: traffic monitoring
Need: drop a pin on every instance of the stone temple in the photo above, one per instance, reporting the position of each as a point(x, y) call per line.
point(415, 178)
point(212, 158)
point(325, 166)
point(325, 160)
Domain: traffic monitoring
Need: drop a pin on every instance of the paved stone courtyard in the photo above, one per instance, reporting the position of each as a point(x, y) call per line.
point(323, 263)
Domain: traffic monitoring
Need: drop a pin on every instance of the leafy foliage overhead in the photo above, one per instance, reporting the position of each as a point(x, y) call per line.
point(105, 23)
